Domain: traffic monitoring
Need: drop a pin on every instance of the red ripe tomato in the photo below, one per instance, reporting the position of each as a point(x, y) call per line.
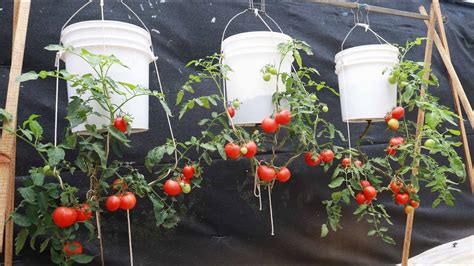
point(188, 171)
point(172, 188)
point(112, 203)
point(402, 198)
point(119, 184)
point(283, 117)
point(415, 204)
point(388, 117)
point(346, 162)
point(231, 111)
point(283, 174)
point(360, 198)
point(370, 192)
point(127, 201)
point(308, 157)
point(364, 183)
point(358, 163)
point(73, 248)
point(251, 149)
point(84, 212)
point(232, 150)
point(397, 141)
point(398, 112)
point(64, 217)
point(269, 125)
point(391, 151)
point(393, 124)
point(327, 155)
point(120, 124)
point(266, 173)
point(394, 187)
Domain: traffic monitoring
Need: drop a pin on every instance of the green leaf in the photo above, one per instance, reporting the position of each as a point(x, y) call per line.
point(28, 194)
point(82, 258)
point(179, 97)
point(54, 47)
point(324, 230)
point(371, 233)
point(117, 134)
point(336, 182)
point(32, 75)
point(55, 155)
point(297, 57)
point(20, 240)
point(165, 107)
point(38, 179)
point(5, 116)
point(21, 220)
point(44, 245)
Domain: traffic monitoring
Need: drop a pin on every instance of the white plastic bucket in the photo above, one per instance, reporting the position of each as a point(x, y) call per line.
point(131, 45)
point(363, 73)
point(246, 54)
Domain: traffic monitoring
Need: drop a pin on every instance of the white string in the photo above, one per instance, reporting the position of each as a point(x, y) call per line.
point(130, 237)
point(103, 24)
point(347, 114)
point(99, 236)
point(256, 189)
point(271, 208)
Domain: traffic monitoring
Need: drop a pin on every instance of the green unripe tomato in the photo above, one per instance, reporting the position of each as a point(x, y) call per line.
point(243, 150)
point(267, 76)
point(46, 168)
point(392, 79)
point(181, 184)
point(325, 109)
point(313, 97)
point(236, 104)
point(127, 119)
point(429, 143)
point(272, 71)
point(186, 188)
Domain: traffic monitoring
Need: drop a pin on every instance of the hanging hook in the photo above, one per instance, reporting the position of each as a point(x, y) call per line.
point(255, 9)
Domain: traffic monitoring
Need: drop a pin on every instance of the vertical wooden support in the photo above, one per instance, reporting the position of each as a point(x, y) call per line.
point(8, 140)
point(444, 51)
point(420, 122)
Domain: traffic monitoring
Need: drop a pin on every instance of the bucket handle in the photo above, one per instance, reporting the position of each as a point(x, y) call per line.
point(257, 14)
point(366, 28)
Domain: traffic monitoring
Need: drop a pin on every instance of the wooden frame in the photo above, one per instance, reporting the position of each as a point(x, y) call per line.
point(8, 140)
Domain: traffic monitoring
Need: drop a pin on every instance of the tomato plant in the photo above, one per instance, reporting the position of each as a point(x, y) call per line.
point(393, 172)
point(54, 211)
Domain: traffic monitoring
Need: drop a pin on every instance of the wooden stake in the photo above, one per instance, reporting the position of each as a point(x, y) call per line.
point(8, 140)
point(420, 122)
point(457, 105)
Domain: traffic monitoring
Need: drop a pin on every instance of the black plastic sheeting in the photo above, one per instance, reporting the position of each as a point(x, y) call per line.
point(223, 224)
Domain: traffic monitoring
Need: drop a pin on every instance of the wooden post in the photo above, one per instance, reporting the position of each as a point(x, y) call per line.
point(455, 88)
point(8, 140)
point(420, 122)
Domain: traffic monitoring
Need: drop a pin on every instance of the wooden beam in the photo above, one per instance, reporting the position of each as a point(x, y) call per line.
point(8, 140)
point(371, 9)
point(420, 122)
point(457, 105)
point(454, 76)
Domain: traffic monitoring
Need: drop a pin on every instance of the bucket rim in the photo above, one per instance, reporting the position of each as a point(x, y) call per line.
point(88, 24)
point(367, 47)
point(253, 34)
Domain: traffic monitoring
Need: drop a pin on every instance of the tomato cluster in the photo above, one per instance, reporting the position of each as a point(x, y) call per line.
point(247, 150)
point(268, 173)
point(346, 162)
point(392, 118)
point(367, 194)
point(314, 159)
point(125, 200)
point(404, 195)
point(182, 184)
point(270, 125)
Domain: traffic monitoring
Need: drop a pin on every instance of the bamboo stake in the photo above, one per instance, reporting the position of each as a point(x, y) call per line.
point(8, 140)
point(457, 105)
point(420, 123)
